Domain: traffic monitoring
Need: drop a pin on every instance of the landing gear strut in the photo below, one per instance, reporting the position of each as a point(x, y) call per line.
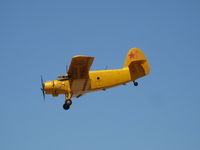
point(135, 83)
point(67, 104)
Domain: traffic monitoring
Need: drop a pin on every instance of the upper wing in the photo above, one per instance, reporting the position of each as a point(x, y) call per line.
point(80, 66)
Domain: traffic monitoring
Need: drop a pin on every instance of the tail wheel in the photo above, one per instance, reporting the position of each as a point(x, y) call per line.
point(135, 83)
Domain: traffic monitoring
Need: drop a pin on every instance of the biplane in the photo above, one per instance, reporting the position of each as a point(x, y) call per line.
point(79, 80)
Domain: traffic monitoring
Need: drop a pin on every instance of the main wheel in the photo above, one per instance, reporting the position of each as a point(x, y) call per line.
point(66, 106)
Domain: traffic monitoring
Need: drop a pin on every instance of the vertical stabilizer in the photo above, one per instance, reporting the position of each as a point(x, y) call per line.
point(137, 63)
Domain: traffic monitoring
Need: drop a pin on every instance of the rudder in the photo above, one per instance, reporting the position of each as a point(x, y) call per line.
point(137, 63)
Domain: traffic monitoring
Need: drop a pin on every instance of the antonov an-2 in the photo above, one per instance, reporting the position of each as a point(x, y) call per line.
point(79, 80)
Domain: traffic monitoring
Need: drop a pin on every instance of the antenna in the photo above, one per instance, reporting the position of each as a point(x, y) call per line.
point(106, 67)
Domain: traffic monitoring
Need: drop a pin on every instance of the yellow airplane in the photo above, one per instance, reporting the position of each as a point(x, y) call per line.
point(79, 80)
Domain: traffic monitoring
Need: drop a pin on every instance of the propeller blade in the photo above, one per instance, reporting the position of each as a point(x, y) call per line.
point(43, 95)
point(42, 83)
point(67, 68)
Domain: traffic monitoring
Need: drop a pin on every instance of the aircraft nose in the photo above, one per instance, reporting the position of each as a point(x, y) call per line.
point(48, 85)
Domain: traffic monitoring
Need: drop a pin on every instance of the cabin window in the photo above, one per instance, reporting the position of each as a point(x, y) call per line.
point(98, 78)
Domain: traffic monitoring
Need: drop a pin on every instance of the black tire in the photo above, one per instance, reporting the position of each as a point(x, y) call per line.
point(66, 107)
point(135, 83)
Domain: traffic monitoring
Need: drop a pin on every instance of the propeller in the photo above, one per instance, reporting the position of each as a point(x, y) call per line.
point(42, 83)
point(67, 69)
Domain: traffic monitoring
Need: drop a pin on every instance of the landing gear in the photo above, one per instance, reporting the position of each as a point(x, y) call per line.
point(67, 104)
point(135, 83)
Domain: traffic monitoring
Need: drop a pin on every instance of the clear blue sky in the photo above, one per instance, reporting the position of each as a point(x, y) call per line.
point(39, 38)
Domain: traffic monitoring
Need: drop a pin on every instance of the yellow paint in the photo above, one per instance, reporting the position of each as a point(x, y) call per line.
point(135, 66)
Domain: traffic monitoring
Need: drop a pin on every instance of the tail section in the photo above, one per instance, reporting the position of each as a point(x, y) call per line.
point(137, 63)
